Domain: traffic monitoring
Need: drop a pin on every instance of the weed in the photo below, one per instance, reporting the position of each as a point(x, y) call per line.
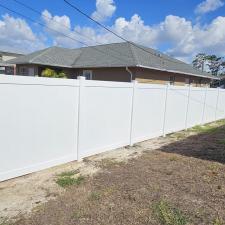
point(218, 221)
point(94, 196)
point(77, 214)
point(168, 215)
point(68, 181)
point(109, 162)
point(173, 158)
point(222, 142)
point(67, 173)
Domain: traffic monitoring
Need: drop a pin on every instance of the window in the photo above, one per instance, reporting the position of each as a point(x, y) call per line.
point(87, 74)
point(1, 57)
point(172, 80)
point(187, 81)
point(23, 71)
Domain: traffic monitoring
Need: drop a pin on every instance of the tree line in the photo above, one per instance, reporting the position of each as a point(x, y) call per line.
point(209, 63)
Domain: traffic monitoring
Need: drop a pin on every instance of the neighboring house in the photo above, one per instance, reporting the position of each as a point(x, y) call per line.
point(5, 67)
point(113, 62)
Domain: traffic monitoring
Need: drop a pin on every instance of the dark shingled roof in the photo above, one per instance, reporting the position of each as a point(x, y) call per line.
point(109, 55)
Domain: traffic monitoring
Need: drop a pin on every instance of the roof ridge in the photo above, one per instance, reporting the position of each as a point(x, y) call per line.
point(42, 53)
point(81, 52)
point(133, 54)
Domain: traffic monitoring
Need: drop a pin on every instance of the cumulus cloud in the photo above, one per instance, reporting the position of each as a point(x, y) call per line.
point(104, 10)
point(208, 6)
point(182, 38)
point(16, 35)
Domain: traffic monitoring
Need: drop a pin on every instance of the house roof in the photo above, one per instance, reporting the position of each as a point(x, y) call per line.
point(10, 53)
point(123, 54)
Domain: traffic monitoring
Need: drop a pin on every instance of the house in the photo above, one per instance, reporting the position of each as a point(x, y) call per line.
point(5, 67)
point(113, 62)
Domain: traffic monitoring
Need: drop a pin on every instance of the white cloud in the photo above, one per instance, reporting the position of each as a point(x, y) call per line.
point(17, 36)
point(182, 38)
point(104, 10)
point(208, 6)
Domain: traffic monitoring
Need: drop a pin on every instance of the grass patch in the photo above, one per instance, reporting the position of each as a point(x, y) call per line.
point(222, 142)
point(68, 180)
point(94, 196)
point(204, 129)
point(68, 173)
point(168, 215)
point(218, 221)
point(109, 162)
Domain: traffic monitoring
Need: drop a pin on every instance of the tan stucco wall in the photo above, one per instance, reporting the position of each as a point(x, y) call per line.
point(159, 77)
point(120, 74)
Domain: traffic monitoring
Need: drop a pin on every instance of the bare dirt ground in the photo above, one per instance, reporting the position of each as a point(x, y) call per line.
point(179, 179)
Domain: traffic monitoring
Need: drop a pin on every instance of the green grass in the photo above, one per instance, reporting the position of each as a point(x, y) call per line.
point(168, 215)
point(204, 129)
point(66, 179)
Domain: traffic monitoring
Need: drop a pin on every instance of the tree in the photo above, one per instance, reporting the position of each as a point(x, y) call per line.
point(199, 61)
point(215, 64)
point(52, 73)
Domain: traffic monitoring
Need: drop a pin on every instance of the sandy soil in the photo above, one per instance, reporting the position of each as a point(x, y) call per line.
point(21, 195)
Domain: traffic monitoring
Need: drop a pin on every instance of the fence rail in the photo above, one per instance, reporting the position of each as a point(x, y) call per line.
point(46, 122)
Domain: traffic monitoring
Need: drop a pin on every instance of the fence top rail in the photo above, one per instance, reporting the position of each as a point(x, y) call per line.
point(28, 80)
point(109, 84)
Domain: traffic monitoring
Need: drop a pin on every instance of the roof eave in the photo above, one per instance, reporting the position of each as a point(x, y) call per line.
point(179, 72)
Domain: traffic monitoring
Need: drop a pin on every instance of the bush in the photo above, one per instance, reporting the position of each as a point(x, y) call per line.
point(52, 73)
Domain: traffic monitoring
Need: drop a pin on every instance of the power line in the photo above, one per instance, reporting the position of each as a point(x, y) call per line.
point(117, 35)
point(34, 21)
point(67, 27)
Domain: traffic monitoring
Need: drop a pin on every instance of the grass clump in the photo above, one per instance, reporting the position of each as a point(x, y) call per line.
point(168, 215)
point(94, 196)
point(66, 179)
point(222, 142)
point(218, 221)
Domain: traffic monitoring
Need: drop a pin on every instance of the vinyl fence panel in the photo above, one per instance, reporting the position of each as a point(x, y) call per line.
point(148, 111)
point(220, 114)
point(196, 106)
point(105, 116)
point(38, 124)
point(176, 108)
point(46, 122)
point(210, 105)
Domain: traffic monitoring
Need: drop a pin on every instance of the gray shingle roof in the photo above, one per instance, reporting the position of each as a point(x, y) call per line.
point(109, 55)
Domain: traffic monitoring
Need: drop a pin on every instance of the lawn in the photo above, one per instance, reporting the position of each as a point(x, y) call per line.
point(180, 183)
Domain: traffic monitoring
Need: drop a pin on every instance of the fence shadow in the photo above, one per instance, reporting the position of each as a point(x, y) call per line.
point(207, 146)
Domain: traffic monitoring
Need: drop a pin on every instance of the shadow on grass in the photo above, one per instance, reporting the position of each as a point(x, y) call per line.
point(208, 145)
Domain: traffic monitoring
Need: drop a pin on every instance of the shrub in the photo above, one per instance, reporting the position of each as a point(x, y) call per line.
point(52, 73)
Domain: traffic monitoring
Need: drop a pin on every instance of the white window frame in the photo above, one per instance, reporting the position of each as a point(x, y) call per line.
point(87, 71)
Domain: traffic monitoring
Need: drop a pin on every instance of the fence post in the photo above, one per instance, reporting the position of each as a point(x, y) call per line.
point(187, 109)
point(203, 112)
point(80, 101)
point(217, 101)
point(133, 112)
point(165, 109)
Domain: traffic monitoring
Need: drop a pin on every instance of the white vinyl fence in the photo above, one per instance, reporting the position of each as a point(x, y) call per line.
point(46, 122)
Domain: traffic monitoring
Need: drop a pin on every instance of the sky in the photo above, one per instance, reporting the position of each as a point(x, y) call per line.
point(179, 28)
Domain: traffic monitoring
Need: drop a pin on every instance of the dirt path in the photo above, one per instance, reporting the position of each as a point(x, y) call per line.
point(183, 171)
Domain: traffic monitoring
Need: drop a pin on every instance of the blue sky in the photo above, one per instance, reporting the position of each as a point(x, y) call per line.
point(180, 28)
